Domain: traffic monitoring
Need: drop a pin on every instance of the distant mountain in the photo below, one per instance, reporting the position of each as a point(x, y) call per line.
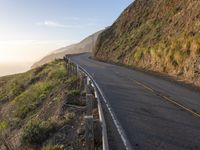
point(85, 45)
point(158, 35)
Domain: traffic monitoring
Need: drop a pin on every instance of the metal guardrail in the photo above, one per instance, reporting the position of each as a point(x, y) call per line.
point(105, 145)
point(100, 110)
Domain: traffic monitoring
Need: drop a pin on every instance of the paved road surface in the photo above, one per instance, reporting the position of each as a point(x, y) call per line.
point(155, 114)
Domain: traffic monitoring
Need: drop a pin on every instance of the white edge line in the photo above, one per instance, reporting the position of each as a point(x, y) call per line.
point(116, 122)
point(101, 116)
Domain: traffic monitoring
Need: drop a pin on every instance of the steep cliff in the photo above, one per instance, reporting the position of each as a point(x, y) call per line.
point(158, 35)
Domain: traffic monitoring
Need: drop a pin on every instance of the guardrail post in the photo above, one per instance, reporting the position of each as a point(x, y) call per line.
point(89, 132)
point(97, 135)
point(89, 104)
point(82, 82)
point(75, 70)
point(86, 84)
point(94, 130)
point(69, 68)
point(72, 68)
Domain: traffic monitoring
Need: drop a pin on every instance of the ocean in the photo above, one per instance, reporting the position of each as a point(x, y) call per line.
point(14, 68)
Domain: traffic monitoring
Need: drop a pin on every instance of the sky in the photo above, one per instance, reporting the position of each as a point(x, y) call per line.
point(30, 29)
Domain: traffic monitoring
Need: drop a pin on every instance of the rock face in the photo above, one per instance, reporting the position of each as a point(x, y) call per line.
point(85, 45)
point(158, 35)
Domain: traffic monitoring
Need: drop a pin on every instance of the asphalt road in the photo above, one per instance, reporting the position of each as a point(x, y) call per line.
point(155, 113)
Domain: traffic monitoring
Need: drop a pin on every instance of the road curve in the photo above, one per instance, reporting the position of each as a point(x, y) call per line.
point(155, 114)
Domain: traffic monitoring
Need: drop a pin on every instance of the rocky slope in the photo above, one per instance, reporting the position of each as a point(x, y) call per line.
point(158, 35)
point(41, 109)
point(85, 45)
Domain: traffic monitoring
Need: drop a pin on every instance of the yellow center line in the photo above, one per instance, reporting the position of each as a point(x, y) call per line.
point(146, 87)
point(183, 107)
point(170, 100)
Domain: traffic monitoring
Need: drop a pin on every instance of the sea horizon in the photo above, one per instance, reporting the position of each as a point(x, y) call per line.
point(11, 68)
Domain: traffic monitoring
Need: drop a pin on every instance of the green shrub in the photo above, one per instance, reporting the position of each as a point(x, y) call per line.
point(73, 93)
point(29, 99)
point(16, 85)
point(138, 54)
point(55, 147)
point(36, 132)
point(73, 99)
point(3, 125)
point(58, 73)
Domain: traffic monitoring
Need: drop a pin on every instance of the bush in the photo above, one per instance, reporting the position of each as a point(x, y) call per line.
point(3, 125)
point(56, 147)
point(36, 132)
point(73, 93)
point(28, 100)
point(58, 73)
point(138, 55)
point(73, 98)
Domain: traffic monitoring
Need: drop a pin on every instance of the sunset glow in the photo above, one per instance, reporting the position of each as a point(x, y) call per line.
point(29, 30)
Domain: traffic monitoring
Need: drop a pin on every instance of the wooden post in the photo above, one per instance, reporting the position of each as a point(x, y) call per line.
point(89, 89)
point(85, 84)
point(73, 68)
point(78, 77)
point(76, 70)
point(89, 132)
point(89, 104)
point(70, 68)
point(97, 134)
point(66, 59)
point(81, 82)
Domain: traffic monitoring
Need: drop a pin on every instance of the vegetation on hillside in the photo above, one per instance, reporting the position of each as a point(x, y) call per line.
point(37, 109)
point(162, 36)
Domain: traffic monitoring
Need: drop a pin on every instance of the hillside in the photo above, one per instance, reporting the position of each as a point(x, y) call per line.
point(85, 45)
point(41, 109)
point(156, 35)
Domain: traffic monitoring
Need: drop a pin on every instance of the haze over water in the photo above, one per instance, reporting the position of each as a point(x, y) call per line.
point(13, 68)
point(31, 29)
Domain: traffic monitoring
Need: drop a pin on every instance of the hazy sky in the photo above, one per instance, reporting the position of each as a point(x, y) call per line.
point(29, 29)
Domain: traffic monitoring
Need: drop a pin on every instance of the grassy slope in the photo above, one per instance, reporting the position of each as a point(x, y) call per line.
point(34, 111)
point(162, 35)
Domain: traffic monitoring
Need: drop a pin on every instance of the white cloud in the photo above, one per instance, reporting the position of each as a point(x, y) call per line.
point(49, 23)
point(82, 19)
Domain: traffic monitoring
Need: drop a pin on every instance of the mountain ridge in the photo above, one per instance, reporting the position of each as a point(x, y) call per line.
point(86, 45)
